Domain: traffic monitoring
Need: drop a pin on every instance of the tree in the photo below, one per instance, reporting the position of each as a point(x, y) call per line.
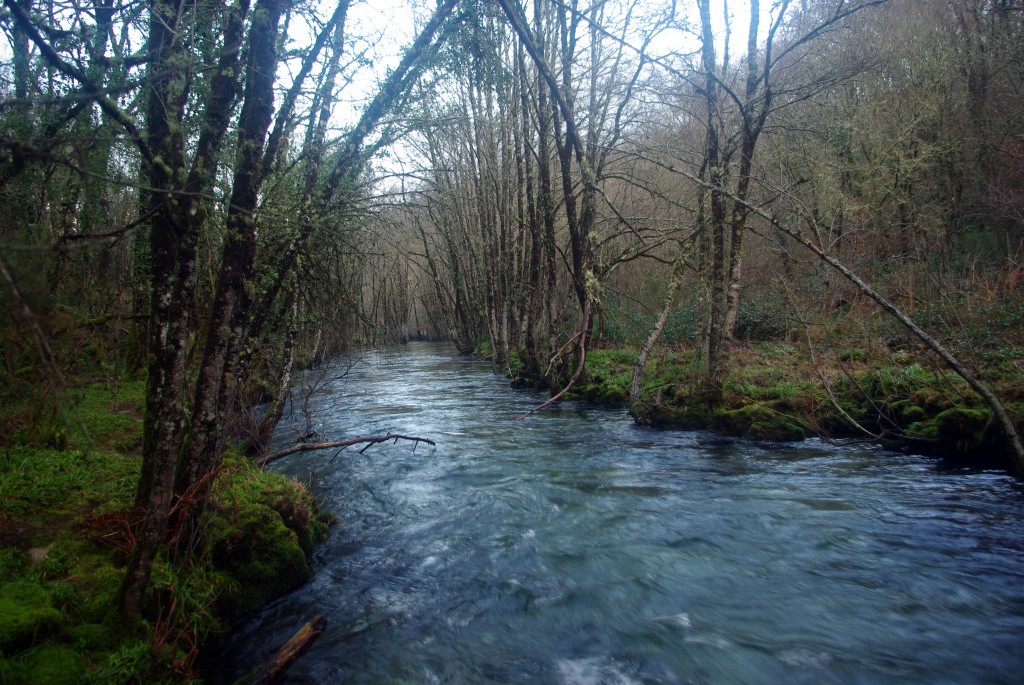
point(736, 113)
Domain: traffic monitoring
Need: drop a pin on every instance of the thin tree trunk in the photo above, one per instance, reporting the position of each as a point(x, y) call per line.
point(714, 347)
point(259, 444)
point(173, 237)
point(659, 325)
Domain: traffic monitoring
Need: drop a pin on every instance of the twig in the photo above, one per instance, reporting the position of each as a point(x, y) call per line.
point(582, 334)
point(369, 440)
point(825, 383)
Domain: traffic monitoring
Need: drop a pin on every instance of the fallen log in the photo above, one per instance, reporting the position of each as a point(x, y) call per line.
point(291, 651)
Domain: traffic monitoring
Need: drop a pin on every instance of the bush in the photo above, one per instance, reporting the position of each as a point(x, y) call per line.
point(760, 319)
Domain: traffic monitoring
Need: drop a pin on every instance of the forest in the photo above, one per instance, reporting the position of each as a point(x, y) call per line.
point(776, 220)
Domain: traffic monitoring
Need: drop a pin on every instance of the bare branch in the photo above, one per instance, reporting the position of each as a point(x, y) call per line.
point(367, 440)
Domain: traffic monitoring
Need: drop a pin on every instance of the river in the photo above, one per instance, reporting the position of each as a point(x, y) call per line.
point(577, 548)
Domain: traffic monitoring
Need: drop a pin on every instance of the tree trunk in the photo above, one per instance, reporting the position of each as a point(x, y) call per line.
point(178, 217)
point(218, 378)
point(173, 238)
point(659, 325)
point(713, 347)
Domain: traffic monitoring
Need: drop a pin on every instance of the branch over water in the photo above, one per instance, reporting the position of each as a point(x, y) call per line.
point(367, 440)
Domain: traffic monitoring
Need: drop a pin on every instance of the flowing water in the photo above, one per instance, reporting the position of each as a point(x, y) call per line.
point(575, 547)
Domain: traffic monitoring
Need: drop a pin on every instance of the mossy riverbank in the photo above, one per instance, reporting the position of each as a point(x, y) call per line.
point(776, 391)
point(67, 481)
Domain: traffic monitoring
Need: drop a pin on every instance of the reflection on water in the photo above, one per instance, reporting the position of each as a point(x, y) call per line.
point(577, 548)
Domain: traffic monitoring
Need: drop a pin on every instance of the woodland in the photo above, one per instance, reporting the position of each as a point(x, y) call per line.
point(772, 219)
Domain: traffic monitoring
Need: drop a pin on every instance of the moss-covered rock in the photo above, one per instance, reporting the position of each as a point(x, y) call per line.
point(925, 430)
point(905, 412)
point(261, 555)
point(261, 530)
point(758, 422)
point(963, 430)
point(299, 513)
point(97, 588)
point(26, 615)
point(681, 417)
point(92, 637)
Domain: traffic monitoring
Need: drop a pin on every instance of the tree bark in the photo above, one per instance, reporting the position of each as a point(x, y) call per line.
point(259, 442)
point(217, 383)
point(659, 325)
point(713, 348)
point(174, 233)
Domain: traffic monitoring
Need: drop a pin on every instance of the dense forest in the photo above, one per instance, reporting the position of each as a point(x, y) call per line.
point(776, 220)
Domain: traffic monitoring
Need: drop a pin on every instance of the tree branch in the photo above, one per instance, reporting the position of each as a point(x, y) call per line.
point(367, 440)
point(26, 24)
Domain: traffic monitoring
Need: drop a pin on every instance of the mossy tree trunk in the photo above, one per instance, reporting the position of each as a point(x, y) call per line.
point(216, 384)
point(178, 217)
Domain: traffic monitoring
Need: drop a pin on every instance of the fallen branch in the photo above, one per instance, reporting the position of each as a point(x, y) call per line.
point(292, 650)
point(368, 440)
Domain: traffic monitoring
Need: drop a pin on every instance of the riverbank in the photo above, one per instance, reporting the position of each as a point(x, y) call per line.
point(67, 479)
point(776, 391)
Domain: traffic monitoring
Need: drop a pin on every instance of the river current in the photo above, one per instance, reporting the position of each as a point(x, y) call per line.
point(577, 548)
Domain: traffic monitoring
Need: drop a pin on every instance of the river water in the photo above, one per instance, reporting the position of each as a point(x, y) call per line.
point(575, 547)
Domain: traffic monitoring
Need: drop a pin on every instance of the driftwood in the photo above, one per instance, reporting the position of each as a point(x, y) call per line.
point(368, 440)
point(291, 651)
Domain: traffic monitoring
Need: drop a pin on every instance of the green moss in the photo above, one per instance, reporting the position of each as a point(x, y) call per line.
point(96, 592)
point(931, 401)
point(52, 483)
point(681, 417)
point(515, 364)
point(926, 430)
point(964, 430)
point(14, 671)
point(56, 665)
point(905, 412)
point(483, 350)
point(92, 637)
point(757, 422)
point(12, 563)
point(261, 555)
point(26, 615)
point(261, 530)
point(110, 413)
point(63, 605)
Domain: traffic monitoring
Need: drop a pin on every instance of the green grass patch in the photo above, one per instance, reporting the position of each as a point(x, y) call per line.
point(48, 483)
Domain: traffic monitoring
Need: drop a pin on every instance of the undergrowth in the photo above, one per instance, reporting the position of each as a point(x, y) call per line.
point(68, 471)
